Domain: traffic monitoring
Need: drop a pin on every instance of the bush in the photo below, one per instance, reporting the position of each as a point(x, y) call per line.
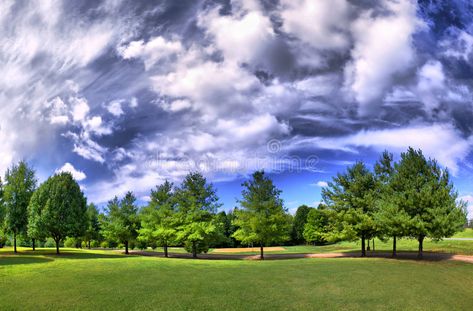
point(70, 242)
point(49, 243)
point(94, 243)
point(104, 244)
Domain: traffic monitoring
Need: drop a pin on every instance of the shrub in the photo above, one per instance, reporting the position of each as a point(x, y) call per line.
point(49, 243)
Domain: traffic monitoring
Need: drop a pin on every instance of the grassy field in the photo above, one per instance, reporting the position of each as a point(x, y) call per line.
point(467, 233)
point(106, 280)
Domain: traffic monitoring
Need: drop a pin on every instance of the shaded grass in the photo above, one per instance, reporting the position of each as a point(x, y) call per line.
point(142, 283)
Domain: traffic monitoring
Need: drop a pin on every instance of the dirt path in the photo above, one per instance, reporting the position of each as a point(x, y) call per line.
point(428, 256)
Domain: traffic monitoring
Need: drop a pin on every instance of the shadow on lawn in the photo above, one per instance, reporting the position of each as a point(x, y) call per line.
point(22, 260)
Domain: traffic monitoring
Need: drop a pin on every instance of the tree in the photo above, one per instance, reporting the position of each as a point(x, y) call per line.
point(93, 225)
point(351, 195)
point(197, 204)
point(19, 187)
point(2, 216)
point(158, 219)
point(300, 219)
point(262, 218)
point(317, 227)
point(121, 222)
point(425, 193)
point(57, 209)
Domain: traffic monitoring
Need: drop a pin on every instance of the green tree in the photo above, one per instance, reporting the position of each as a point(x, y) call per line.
point(317, 227)
point(351, 195)
point(197, 204)
point(93, 225)
point(20, 183)
point(262, 219)
point(57, 209)
point(300, 219)
point(159, 218)
point(424, 192)
point(121, 222)
point(2, 216)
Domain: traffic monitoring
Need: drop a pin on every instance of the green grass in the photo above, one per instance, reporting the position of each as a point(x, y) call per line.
point(467, 233)
point(105, 280)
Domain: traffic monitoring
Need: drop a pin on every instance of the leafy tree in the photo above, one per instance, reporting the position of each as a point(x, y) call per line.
point(93, 225)
point(197, 204)
point(351, 195)
point(121, 222)
point(57, 209)
point(2, 216)
point(20, 185)
point(425, 193)
point(300, 219)
point(158, 219)
point(262, 218)
point(317, 227)
point(391, 218)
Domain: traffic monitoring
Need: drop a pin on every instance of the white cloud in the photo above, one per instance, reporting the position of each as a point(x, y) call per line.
point(115, 108)
point(431, 84)
point(80, 108)
point(321, 184)
point(69, 168)
point(383, 48)
point(468, 199)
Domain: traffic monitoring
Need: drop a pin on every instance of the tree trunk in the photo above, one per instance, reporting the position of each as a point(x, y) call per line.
point(369, 243)
point(14, 242)
point(394, 246)
point(194, 250)
point(363, 251)
point(420, 255)
point(261, 256)
point(88, 244)
point(126, 247)
point(165, 250)
point(373, 246)
point(57, 246)
point(33, 241)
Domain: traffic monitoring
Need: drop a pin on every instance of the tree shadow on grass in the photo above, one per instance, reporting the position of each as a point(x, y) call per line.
point(22, 260)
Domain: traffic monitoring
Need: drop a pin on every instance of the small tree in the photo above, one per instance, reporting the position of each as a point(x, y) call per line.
point(351, 195)
point(158, 219)
point(197, 204)
point(57, 209)
point(317, 227)
point(93, 226)
point(121, 222)
point(20, 185)
point(300, 219)
point(262, 218)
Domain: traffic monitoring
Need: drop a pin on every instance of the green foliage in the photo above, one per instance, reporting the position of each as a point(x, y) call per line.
point(20, 184)
point(57, 209)
point(159, 219)
point(262, 219)
point(300, 219)
point(352, 196)
point(197, 203)
point(121, 222)
point(93, 225)
point(49, 243)
point(317, 228)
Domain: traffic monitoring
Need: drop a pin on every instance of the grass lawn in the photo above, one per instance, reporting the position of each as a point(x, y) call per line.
point(105, 280)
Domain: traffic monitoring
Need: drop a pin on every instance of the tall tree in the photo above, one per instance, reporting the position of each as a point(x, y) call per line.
point(424, 192)
point(197, 204)
point(58, 209)
point(351, 195)
point(2, 216)
point(121, 222)
point(317, 227)
point(20, 183)
point(300, 219)
point(93, 226)
point(262, 219)
point(159, 218)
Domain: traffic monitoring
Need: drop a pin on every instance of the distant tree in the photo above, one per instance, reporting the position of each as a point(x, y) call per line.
point(57, 209)
point(262, 219)
point(121, 222)
point(20, 183)
point(424, 192)
point(93, 225)
point(351, 195)
point(2, 216)
point(317, 227)
point(299, 221)
point(197, 204)
point(159, 218)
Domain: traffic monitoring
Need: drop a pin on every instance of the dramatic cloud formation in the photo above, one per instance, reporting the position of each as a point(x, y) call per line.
point(134, 93)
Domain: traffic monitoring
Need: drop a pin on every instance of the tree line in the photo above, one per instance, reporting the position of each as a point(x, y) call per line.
point(411, 198)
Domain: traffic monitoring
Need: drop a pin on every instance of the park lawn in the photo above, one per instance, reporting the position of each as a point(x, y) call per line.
point(104, 280)
point(467, 233)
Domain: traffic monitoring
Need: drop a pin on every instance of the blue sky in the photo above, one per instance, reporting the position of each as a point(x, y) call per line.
point(126, 94)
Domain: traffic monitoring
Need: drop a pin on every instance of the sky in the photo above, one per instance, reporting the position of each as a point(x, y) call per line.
point(126, 94)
